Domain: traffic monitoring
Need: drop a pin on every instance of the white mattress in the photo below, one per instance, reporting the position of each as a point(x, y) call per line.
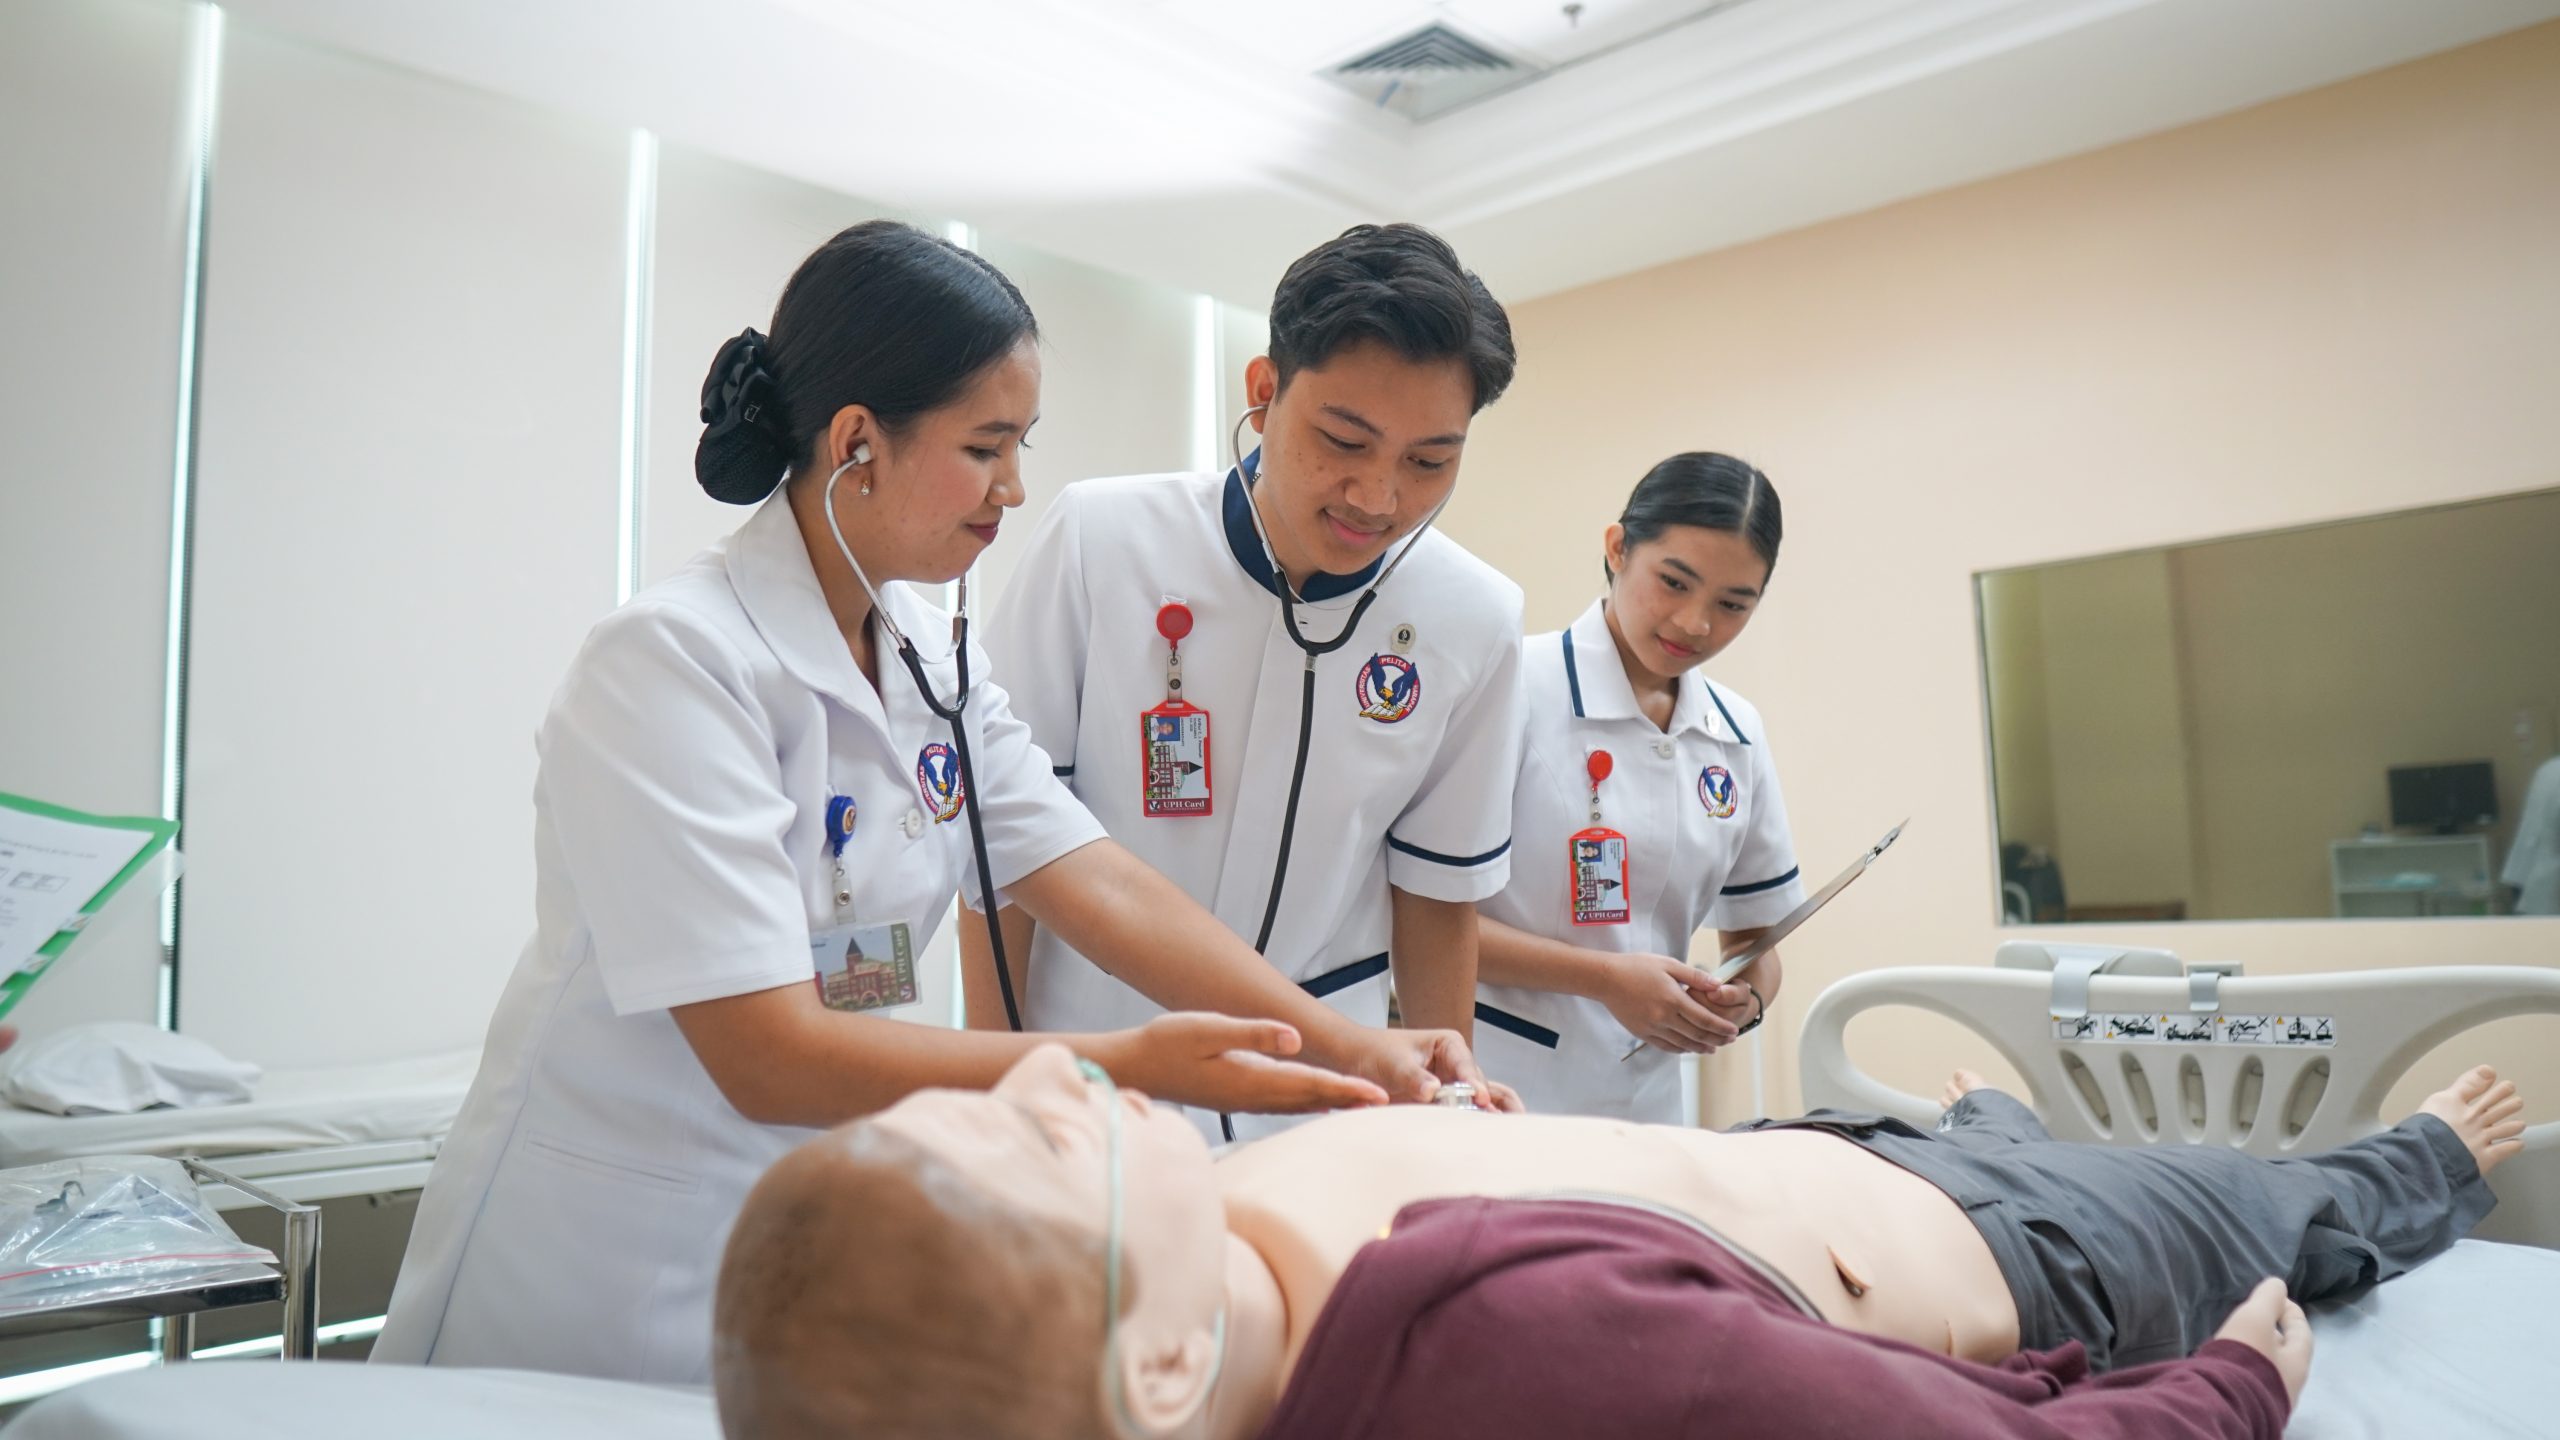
point(273, 1400)
point(294, 1110)
point(2457, 1347)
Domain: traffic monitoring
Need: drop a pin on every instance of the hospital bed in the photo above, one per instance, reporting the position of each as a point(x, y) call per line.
point(2453, 1348)
point(2126, 1047)
point(313, 1134)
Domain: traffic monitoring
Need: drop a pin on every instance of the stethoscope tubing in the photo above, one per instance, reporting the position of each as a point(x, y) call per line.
point(950, 715)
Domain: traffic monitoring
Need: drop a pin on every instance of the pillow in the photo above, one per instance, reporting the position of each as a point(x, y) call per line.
point(117, 1067)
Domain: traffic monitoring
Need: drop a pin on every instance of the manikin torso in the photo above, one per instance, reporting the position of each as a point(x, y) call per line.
point(1872, 1246)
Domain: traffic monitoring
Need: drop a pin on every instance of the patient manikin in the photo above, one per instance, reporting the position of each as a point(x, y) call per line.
point(940, 1269)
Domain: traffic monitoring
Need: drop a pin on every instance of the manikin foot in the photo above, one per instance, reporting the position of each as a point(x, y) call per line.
point(2484, 1110)
point(1961, 1084)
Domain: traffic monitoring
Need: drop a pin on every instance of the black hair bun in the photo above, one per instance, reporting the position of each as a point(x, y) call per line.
point(744, 451)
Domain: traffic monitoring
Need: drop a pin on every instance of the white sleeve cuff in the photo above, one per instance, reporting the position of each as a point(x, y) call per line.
point(1753, 904)
point(1458, 879)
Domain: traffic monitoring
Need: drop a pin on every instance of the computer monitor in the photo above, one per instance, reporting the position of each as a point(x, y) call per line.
point(2444, 798)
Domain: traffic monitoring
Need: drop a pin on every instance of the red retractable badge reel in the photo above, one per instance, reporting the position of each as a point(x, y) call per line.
point(1173, 738)
point(1596, 859)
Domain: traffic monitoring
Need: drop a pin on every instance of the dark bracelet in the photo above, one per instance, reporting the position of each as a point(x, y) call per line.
point(1759, 1011)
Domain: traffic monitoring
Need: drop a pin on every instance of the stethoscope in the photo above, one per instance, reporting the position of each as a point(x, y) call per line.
point(1290, 600)
point(950, 714)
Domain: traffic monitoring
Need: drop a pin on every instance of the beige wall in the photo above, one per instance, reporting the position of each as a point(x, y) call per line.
point(2337, 304)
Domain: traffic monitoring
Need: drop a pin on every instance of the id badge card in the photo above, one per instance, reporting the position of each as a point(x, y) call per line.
point(865, 967)
point(1173, 759)
point(1598, 858)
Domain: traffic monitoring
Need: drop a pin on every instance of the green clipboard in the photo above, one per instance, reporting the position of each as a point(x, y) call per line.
point(161, 832)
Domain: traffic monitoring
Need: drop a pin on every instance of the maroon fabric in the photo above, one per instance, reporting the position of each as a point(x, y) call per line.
point(1532, 1319)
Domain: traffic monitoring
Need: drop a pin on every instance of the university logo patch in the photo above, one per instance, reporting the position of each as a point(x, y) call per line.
point(938, 780)
point(1717, 791)
point(1388, 688)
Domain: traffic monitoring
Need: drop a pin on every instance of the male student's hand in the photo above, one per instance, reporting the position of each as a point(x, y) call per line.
point(2271, 1324)
point(1412, 1065)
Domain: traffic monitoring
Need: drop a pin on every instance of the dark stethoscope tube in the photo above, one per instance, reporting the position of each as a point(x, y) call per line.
point(1313, 650)
point(969, 796)
point(950, 715)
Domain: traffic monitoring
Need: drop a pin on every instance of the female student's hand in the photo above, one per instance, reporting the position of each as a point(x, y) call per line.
point(1664, 1002)
point(1734, 999)
point(2270, 1323)
point(1223, 1063)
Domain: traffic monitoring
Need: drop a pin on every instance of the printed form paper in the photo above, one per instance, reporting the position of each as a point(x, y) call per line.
point(49, 871)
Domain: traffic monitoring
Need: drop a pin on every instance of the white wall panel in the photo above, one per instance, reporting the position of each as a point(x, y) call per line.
point(1242, 335)
point(1116, 384)
point(93, 109)
point(405, 522)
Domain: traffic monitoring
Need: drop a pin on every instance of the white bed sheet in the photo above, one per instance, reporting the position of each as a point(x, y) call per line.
point(337, 1400)
point(2456, 1348)
point(2459, 1347)
point(408, 1099)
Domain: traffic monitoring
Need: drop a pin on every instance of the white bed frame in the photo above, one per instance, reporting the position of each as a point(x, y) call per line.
point(329, 1172)
point(2269, 1099)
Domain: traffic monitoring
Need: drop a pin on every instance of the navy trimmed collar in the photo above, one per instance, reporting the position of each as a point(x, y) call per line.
point(1245, 542)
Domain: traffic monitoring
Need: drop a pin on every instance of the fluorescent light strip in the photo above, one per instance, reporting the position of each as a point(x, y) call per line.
point(205, 38)
point(961, 233)
point(1204, 383)
point(639, 256)
point(36, 1384)
point(338, 1334)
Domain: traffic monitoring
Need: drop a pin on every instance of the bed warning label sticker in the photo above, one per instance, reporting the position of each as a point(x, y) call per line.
point(2194, 1029)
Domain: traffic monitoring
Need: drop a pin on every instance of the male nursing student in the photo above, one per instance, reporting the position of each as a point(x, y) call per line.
point(1277, 685)
point(747, 821)
point(1647, 808)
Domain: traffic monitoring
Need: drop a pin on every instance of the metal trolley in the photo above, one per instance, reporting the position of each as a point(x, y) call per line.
point(296, 1285)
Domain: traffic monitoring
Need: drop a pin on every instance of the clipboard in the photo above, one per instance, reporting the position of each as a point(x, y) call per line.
point(1742, 959)
point(155, 864)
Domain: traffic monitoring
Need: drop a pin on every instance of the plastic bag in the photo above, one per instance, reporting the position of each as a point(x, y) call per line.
point(108, 1227)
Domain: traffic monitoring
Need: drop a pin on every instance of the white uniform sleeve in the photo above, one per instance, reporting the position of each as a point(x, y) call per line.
point(1031, 818)
point(1453, 842)
point(661, 791)
point(1764, 883)
point(1036, 642)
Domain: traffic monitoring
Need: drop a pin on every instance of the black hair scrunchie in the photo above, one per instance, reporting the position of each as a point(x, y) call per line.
point(744, 449)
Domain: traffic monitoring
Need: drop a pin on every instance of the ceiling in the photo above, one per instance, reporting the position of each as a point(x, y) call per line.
point(1192, 143)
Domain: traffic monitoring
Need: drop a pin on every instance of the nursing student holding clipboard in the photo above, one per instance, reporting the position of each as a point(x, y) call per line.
point(1647, 808)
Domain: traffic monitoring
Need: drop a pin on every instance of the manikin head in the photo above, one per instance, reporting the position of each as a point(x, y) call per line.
point(941, 1269)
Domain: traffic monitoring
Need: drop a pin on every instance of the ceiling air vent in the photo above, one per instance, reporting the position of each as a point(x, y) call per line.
point(1428, 72)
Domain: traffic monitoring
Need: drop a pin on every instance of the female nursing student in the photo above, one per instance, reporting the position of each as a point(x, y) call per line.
point(747, 822)
point(1276, 684)
point(1647, 808)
